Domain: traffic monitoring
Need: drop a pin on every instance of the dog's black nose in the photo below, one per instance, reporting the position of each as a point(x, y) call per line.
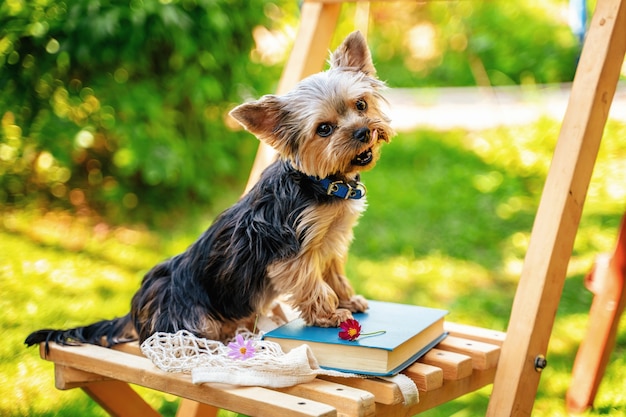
point(362, 134)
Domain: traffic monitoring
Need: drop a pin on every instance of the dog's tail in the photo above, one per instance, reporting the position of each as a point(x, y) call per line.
point(103, 333)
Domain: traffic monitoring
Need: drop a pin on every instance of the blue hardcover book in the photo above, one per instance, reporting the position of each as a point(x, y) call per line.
point(410, 332)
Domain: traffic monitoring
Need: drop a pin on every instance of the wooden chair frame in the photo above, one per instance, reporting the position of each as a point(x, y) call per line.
point(104, 374)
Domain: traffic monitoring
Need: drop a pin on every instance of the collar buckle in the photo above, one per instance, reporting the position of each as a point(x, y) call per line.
point(333, 187)
point(345, 190)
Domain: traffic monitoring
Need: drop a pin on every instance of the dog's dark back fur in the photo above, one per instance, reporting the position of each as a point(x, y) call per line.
point(215, 277)
point(222, 275)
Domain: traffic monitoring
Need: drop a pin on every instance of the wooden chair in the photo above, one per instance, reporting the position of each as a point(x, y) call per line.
point(465, 361)
point(607, 282)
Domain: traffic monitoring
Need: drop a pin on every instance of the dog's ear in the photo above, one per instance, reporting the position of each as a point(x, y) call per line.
point(262, 118)
point(353, 54)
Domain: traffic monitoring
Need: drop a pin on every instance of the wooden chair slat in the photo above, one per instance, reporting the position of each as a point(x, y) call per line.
point(347, 400)
point(484, 355)
point(454, 365)
point(493, 337)
point(384, 392)
point(130, 347)
point(426, 377)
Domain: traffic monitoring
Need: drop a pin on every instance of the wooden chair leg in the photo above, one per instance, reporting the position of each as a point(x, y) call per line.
point(606, 282)
point(190, 408)
point(554, 231)
point(118, 399)
point(310, 50)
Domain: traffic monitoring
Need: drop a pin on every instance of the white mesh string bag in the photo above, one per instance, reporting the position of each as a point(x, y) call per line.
point(211, 361)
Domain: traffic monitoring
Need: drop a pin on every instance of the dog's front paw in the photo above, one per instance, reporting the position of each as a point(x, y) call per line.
point(356, 304)
point(339, 316)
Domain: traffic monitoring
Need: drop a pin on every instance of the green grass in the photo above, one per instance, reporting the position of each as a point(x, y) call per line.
point(448, 225)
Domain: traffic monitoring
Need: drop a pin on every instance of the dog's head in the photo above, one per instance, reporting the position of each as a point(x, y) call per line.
point(331, 123)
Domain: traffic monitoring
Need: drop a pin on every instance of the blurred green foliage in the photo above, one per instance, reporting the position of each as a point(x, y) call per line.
point(118, 108)
point(479, 42)
point(109, 104)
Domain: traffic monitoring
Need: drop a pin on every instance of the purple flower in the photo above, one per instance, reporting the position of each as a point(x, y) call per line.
point(241, 349)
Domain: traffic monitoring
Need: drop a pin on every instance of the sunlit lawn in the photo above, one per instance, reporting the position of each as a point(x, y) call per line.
point(448, 224)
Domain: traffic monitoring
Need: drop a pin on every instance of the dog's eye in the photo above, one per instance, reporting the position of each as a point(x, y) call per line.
point(325, 129)
point(361, 105)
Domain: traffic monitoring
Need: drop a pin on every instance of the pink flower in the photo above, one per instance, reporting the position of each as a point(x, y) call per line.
point(350, 330)
point(241, 349)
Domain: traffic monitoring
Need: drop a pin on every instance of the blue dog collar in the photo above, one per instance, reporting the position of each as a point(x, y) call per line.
point(341, 189)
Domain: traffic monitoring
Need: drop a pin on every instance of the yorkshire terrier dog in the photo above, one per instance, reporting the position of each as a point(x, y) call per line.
point(289, 235)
